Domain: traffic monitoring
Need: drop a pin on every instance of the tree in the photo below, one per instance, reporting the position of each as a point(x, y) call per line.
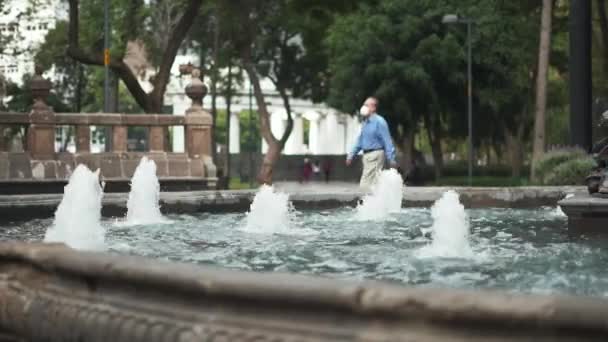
point(134, 22)
point(541, 84)
point(399, 52)
point(271, 42)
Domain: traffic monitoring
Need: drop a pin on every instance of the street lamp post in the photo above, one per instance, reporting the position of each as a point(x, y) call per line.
point(251, 137)
point(455, 19)
point(106, 64)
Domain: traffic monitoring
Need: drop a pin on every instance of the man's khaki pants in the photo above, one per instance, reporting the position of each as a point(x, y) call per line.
point(373, 163)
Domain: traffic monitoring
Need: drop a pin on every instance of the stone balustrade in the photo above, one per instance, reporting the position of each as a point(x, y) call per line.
point(39, 161)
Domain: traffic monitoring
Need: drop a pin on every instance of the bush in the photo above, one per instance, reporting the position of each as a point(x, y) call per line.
point(570, 172)
point(552, 159)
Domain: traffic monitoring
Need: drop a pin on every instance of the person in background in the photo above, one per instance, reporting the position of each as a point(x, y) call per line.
point(316, 169)
point(375, 142)
point(306, 170)
point(327, 166)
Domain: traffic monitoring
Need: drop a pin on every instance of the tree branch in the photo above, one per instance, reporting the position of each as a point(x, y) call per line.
point(117, 65)
point(177, 36)
point(289, 126)
point(131, 27)
point(259, 96)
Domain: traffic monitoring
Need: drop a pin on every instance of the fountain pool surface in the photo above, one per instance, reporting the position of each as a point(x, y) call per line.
point(510, 249)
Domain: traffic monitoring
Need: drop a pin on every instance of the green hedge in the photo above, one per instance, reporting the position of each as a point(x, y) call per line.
point(554, 158)
point(570, 172)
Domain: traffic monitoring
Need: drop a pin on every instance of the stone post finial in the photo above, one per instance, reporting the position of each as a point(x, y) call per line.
point(41, 88)
point(41, 132)
point(196, 90)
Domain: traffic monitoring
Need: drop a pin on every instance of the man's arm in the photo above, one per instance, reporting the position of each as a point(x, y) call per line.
point(387, 142)
point(356, 148)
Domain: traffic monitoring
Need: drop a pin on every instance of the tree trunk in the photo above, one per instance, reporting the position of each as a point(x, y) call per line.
point(228, 116)
point(214, 79)
point(289, 126)
point(541, 86)
point(274, 148)
point(407, 146)
point(601, 8)
point(515, 149)
point(433, 129)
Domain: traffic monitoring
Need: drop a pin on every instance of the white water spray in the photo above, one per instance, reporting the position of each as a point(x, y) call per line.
point(271, 212)
point(77, 219)
point(385, 198)
point(142, 206)
point(558, 212)
point(450, 230)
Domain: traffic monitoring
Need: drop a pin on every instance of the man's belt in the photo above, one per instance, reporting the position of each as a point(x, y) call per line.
point(372, 150)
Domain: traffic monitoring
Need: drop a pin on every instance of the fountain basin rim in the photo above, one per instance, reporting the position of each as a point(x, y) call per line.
point(360, 298)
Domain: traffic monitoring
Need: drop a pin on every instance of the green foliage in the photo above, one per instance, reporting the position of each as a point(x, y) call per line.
point(460, 168)
point(556, 158)
point(21, 98)
point(570, 172)
point(400, 52)
point(250, 131)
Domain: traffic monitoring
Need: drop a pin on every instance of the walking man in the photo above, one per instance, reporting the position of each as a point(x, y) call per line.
point(375, 142)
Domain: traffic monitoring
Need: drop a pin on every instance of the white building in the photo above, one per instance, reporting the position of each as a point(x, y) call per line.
point(24, 25)
point(330, 132)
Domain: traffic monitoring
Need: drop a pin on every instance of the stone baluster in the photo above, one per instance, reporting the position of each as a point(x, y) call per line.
point(41, 132)
point(198, 126)
point(119, 138)
point(83, 138)
point(198, 121)
point(157, 138)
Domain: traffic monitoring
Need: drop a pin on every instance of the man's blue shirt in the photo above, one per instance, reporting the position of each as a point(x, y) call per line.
point(375, 135)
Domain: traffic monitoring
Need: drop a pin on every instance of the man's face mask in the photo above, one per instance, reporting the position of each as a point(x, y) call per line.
point(364, 111)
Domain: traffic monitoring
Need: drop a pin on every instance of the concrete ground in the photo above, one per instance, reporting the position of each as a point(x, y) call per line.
point(318, 187)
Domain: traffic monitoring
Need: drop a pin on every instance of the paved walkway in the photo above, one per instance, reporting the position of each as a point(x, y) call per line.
point(318, 187)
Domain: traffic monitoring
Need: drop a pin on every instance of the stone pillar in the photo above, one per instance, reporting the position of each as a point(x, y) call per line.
point(119, 139)
point(296, 138)
point(277, 123)
point(157, 138)
point(3, 138)
point(313, 132)
point(235, 134)
point(41, 132)
point(198, 127)
point(83, 138)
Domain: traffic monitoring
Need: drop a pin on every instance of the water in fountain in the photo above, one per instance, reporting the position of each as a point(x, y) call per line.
point(271, 212)
point(77, 219)
point(450, 230)
point(385, 198)
point(142, 206)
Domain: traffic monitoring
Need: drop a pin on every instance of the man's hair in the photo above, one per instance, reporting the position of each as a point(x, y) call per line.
point(373, 98)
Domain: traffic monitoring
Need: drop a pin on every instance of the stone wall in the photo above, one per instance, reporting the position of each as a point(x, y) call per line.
point(41, 166)
point(20, 166)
